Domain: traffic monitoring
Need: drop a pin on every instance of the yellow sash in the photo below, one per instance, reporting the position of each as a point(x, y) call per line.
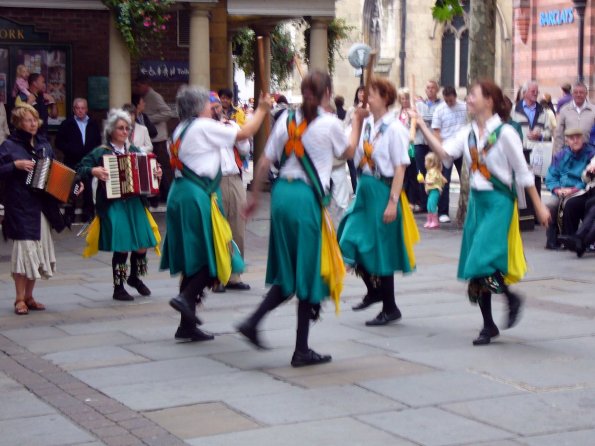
point(332, 268)
point(410, 231)
point(222, 238)
point(517, 265)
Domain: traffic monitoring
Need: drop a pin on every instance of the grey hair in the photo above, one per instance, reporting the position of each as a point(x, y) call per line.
point(114, 115)
point(526, 86)
point(79, 100)
point(580, 84)
point(191, 101)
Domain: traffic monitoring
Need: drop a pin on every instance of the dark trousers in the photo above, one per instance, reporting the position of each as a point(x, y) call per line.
point(444, 202)
point(160, 151)
point(587, 230)
point(421, 150)
point(84, 201)
point(412, 188)
point(352, 174)
point(568, 223)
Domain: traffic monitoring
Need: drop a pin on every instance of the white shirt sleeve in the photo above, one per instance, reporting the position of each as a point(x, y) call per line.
point(512, 146)
point(277, 139)
point(437, 118)
point(398, 144)
point(455, 146)
point(219, 135)
point(338, 138)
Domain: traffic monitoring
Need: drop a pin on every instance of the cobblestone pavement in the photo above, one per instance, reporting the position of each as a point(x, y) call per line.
point(92, 371)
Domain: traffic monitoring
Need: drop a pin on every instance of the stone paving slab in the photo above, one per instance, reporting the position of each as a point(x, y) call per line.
point(201, 420)
point(47, 430)
point(435, 427)
point(65, 342)
point(557, 412)
point(92, 357)
point(582, 437)
point(339, 431)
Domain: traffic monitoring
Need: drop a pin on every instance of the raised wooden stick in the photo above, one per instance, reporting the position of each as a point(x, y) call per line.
point(368, 76)
point(264, 86)
point(413, 123)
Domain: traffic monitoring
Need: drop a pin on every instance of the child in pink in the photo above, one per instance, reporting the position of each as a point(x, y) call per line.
point(434, 182)
point(21, 85)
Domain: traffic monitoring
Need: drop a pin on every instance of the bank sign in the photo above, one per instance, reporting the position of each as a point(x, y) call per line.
point(557, 17)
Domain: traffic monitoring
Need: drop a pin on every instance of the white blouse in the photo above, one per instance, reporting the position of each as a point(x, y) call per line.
point(228, 160)
point(324, 140)
point(503, 158)
point(390, 148)
point(200, 150)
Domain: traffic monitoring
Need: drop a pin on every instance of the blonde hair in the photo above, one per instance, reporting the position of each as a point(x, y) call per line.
point(21, 69)
point(18, 115)
point(433, 162)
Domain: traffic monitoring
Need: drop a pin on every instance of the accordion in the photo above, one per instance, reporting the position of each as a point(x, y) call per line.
point(130, 175)
point(52, 177)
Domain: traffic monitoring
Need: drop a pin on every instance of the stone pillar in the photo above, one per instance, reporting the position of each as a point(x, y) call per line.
point(319, 44)
point(120, 82)
point(199, 54)
point(260, 138)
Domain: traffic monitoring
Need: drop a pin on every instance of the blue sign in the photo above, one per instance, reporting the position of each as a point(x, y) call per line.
point(557, 17)
point(165, 70)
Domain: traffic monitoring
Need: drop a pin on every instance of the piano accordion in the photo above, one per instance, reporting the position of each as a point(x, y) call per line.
point(131, 175)
point(52, 177)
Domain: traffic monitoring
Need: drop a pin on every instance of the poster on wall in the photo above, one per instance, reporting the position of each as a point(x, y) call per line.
point(51, 64)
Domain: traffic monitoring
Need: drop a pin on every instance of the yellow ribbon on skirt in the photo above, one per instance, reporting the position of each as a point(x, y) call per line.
point(410, 231)
point(222, 241)
point(92, 236)
point(332, 268)
point(517, 265)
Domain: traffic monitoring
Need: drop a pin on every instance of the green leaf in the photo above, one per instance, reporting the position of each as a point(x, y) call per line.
point(446, 10)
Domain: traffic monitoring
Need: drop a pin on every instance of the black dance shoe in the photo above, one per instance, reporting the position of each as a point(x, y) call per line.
point(142, 289)
point(122, 295)
point(251, 334)
point(219, 288)
point(515, 303)
point(384, 318)
point(192, 335)
point(366, 302)
point(486, 335)
point(300, 359)
point(574, 243)
point(240, 286)
point(179, 303)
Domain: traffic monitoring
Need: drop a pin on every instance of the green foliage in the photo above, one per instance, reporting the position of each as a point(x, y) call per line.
point(338, 30)
point(142, 23)
point(282, 53)
point(446, 10)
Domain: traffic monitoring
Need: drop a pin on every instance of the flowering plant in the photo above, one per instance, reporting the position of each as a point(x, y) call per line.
point(141, 22)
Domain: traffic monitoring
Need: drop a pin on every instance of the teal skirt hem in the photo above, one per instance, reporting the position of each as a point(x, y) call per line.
point(124, 227)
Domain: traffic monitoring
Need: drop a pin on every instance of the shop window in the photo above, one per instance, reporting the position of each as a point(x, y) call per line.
point(455, 51)
point(184, 28)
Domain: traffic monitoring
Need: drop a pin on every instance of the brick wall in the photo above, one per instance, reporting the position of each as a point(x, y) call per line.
point(550, 54)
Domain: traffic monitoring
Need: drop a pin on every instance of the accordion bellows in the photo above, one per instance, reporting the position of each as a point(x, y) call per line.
point(53, 177)
point(130, 175)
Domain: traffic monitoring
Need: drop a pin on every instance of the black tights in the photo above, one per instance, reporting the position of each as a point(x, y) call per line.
point(387, 291)
point(190, 288)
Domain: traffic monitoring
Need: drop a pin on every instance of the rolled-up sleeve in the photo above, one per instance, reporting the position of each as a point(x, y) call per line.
point(513, 149)
point(455, 146)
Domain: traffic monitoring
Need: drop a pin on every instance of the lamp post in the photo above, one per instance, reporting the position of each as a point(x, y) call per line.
point(580, 5)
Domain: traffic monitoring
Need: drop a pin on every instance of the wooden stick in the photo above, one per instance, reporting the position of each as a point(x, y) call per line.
point(298, 65)
point(264, 86)
point(368, 76)
point(413, 123)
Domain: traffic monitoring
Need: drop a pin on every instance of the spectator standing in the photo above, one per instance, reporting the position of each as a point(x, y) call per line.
point(139, 134)
point(139, 102)
point(4, 130)
point(43, 102)
point(566, 96)
point(449, 117)
point(77, 136)
point(340, 106)
point(231, 112)
point(578, 113)
point(159, 113)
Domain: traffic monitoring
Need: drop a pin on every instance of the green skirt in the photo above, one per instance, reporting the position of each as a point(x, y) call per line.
point(294, 242)
point(365, 239)
point(188, 245)
point(125, 227)
point(484, 248)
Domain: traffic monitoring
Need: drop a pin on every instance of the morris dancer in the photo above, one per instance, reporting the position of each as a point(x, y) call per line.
point(305, 142)
point(190, 243)
point(122, 225)
point(378, 231)
point(492, 252)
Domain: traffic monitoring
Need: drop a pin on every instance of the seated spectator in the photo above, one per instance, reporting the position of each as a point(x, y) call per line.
point(564, 180)
point(585, 236)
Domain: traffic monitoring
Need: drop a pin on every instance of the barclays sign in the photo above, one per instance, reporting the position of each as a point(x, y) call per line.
point(557, 17)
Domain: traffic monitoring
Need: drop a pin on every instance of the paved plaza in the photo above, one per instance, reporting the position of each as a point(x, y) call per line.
point(92, 371)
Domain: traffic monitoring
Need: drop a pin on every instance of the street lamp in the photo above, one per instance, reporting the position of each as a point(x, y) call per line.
point(358, 56)
point(580, 5)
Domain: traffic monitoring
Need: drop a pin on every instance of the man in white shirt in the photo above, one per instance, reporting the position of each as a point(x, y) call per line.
point(449, 117)
point(232, 189)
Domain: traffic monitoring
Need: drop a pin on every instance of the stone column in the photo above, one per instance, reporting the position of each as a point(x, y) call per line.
point(260, 138)
point(319, 44)
point(119, 67)
point(199, 54)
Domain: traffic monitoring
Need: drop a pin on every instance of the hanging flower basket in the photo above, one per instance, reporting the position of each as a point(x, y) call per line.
point(142, 23)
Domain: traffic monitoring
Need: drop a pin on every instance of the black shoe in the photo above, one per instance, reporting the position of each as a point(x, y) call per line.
point(237, 286)
point(219, 288)
point(122, 294)
point(486, 335)
point(300, 359)
point(553, 246)
point(366, 302)
point(139, 285)
point(574, 243)
point(251, 334)
point(515, 303)
point(384, 318)
point(192, 335)
point(179, 303)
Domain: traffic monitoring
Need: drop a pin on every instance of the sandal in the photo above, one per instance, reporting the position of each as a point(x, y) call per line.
point(21, 308)
point(32, 304)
